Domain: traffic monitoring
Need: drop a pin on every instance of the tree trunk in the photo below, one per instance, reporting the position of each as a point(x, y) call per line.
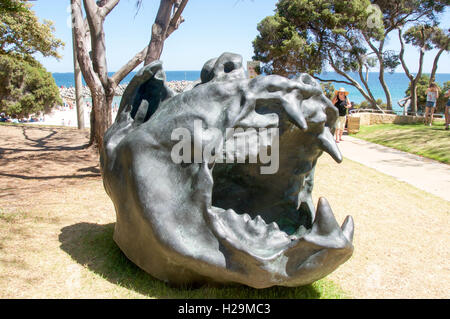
point(379, 53)
point(435, 65)
point(385, 88)
point(101, 115)
point(354, 83)
point(364, 81)
point(78, 83)
point(159, 30)
point(414, 96)
point(93, 62)
point(78, 90)
point(165, 24)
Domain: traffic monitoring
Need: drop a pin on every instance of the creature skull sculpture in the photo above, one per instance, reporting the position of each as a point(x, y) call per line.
point(205, 222)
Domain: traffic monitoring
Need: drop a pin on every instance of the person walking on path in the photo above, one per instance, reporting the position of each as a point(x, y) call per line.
point(432, 96)
point(342, 103)
point(447, 110)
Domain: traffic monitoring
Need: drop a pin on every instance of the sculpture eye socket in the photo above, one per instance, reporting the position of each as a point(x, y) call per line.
point(228, 67)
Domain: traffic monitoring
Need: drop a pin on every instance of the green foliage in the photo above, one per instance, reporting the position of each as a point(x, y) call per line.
point(400, 12)
point(22, 33)
point(441, 39)
point(328, 89)
point(26, 87)
point(305, 35)
point(364, 105)
point(381, 104)
point(12, 6)
point(426, 36)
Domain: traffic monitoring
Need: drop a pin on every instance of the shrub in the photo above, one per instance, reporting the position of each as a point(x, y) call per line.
point(26, 87)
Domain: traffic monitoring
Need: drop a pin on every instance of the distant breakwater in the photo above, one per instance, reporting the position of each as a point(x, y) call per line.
point(69, 92)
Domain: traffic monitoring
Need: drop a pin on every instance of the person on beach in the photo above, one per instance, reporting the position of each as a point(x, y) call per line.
point(342, 103)
point(447, 110)
point(432, 96)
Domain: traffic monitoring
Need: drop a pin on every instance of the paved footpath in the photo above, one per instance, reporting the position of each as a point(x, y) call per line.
point(426, 174)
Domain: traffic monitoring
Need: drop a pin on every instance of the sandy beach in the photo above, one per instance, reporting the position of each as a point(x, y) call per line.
point(66, 116)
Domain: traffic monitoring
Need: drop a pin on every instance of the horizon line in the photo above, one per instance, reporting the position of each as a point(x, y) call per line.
point(423, 73)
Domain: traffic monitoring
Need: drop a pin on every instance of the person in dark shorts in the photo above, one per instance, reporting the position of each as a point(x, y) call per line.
point(342, 103)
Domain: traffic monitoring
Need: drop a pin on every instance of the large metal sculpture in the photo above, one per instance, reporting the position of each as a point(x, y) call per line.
point(211, 221)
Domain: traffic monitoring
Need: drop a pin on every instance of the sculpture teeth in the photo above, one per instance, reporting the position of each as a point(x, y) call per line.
point(328, 144)
point(348, 228)
point(325, 223)
point(274, 226)
point(259, 220)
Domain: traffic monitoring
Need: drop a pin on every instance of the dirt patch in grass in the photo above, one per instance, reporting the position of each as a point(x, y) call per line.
point(56, 232)
point(34, 160)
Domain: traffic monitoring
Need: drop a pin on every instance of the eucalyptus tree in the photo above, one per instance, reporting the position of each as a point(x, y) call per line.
point(397, 14)
point(309, 35)
point(441, 42)
point(91, 51)
point(348, 36)
point(425, 38)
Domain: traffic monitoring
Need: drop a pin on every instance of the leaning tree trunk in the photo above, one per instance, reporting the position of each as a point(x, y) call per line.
point(168, 19)
point(413, 96)
point(379, 53)
point(435, 65)
point(159, 30)
point(385, 88)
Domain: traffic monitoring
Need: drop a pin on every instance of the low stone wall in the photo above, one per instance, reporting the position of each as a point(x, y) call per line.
point(377, 118)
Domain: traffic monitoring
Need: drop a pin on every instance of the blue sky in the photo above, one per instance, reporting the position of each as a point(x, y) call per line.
point(211, 28)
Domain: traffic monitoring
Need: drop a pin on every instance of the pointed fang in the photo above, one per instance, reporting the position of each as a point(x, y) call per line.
point(325, 223)
point(327, 144)
point(348, 228)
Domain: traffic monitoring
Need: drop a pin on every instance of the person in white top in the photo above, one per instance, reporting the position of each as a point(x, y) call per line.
point(432, 96)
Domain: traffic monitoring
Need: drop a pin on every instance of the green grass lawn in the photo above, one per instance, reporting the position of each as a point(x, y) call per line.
point(431, 142)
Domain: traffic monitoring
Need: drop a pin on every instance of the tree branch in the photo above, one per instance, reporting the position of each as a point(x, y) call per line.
point(331, 80)
point(401, 55)
point(435, 64)
point(81, 46)
point(98, 46)
point(106, 6)
point(128, 67)
point(177, 19)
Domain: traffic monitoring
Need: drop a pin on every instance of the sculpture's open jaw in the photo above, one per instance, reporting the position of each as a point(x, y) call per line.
point(266, 228)
point(263, 240)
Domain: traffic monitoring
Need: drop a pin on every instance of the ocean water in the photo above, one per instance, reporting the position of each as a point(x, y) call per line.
point(397, 83)
point(67, 79)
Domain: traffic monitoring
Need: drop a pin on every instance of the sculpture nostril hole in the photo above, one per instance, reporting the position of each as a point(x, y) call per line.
point(307, 79)
point(228, 67)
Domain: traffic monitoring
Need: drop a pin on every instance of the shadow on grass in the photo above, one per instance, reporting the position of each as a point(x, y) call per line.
point(92, 245)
